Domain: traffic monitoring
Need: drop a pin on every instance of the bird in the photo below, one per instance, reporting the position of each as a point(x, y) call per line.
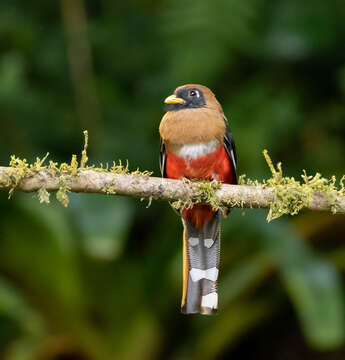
point(196, 143)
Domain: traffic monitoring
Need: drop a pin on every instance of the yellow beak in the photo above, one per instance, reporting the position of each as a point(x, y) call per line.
point(172, 99)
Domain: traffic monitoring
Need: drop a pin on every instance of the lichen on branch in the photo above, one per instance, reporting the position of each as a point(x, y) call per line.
point(291, 195)
point(20, 169)
point(280, 194)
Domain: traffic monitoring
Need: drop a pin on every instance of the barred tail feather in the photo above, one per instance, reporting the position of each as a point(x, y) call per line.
point(201, 248)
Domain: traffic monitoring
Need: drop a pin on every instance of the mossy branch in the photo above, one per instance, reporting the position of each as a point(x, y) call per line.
point(146, 187)
point(282, 195)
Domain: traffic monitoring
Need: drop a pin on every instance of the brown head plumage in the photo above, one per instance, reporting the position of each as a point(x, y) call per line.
point(193, 116)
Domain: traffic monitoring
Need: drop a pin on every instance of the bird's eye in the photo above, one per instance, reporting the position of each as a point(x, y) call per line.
point(193, 93)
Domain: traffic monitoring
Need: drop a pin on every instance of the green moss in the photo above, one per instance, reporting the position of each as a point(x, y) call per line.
point(206, 192)
point(149, 202)
point(119, 168)
point(43, 195)
point(61, 194)
point(38, 164)
point(243, 180)
point(109, 190)
point(84, 158)
point(291, 195)
point(21, 169)
point(74, 165)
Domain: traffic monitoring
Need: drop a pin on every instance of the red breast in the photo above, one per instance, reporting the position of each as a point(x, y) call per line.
point(214, 165)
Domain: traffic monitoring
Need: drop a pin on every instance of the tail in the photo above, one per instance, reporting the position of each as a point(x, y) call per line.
point(200, 266)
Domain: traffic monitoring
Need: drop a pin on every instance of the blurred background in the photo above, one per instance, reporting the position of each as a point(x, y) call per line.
point(102, 278)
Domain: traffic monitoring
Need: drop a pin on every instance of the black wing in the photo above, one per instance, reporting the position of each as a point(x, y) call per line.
point(230, 148)
point(162, 157)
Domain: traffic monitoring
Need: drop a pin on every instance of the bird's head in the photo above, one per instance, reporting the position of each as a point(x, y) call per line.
point(191, 96)
point(193, 115)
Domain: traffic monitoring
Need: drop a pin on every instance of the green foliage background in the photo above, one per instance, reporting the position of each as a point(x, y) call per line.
point(102, 278)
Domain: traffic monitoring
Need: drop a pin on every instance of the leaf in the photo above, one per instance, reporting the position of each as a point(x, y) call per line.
point(14, 305)
point(42, 252)
point(104, 222)
point(313, 284)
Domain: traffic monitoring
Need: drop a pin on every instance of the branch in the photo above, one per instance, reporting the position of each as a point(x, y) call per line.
point(101, 182)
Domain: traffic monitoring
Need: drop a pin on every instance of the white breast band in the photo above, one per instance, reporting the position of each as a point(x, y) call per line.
point(193, 151)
